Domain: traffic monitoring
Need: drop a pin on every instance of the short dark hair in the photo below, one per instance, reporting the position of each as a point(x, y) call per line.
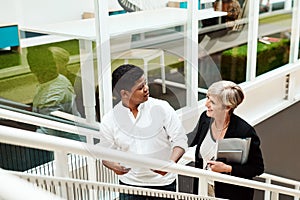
point(124, 77)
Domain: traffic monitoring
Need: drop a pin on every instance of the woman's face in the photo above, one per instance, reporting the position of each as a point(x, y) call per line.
point(215, 108)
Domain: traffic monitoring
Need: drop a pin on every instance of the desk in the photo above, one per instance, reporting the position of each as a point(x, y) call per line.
point(134, 22)
point(129, 23)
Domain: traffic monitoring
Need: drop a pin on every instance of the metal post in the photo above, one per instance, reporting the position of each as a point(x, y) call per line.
point(203, 186)
point(288, 4)
point(297, 187)
point(61, 168)
point(88, 81)
point(274, 196)
point(103, 56)
point(252, 39)
point(192, 54)
point(267, 192)
point(295, 31)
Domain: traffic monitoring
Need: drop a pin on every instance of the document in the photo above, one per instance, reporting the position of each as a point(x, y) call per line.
point(234, 150)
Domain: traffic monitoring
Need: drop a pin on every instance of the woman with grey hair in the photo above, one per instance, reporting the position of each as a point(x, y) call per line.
point(219, 122)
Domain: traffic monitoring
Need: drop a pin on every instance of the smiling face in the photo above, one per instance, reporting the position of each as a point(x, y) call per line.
point(139, 93)
point(215, 107)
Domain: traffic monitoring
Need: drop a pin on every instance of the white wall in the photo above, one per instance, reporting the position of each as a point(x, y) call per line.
point(51, 11)
point(8, 11)
point(31, 12)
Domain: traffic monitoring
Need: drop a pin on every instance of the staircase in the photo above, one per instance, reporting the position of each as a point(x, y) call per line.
point(89, 185)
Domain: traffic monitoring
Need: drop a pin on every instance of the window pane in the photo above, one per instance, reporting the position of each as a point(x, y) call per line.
point(223, 40)
point(274, 31)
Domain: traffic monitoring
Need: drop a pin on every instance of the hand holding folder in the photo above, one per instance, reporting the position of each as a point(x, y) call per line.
point(234, 150)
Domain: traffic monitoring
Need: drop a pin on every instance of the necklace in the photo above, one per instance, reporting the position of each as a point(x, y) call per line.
point(222, 129)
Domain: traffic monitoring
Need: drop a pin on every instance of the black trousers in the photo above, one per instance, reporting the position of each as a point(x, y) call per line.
point(171, 187)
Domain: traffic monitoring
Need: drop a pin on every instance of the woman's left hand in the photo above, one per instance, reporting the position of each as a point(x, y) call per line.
point(217, 166)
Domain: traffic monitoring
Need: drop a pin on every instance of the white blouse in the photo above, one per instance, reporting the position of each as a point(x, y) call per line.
point(208, 149)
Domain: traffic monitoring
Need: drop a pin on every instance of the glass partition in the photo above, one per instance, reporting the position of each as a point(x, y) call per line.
point(159, 44)
point(274, 33)
point(42, 79)
point(155, 40)
point(161, 55)
point(222, 40)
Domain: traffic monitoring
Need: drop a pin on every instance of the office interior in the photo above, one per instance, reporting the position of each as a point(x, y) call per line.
point(183, 46)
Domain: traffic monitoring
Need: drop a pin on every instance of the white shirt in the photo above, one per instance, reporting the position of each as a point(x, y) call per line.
point(153, 133)
point(208, 149)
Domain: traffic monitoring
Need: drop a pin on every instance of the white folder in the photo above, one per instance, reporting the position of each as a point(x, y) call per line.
point(234, 149)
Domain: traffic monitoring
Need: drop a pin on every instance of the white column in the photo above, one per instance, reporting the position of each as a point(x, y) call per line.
point(61, 164)
point(192, 54)
point(103, 56)
point(88, 89)
point(61, 168)
point(88, 81)
point(203, 186)
point(288, 4)
point(252, 39)
point(295, 33)
point(297, 187)
point(267, 192)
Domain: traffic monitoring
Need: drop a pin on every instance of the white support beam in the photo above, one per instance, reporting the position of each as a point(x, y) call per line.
point(253, 17)
point(103, 56)
point(295, 33)
point(88, 82)
point(192, 54)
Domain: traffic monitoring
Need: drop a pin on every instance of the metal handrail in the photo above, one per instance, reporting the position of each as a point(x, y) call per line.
point(34, 119)
point(99, 190)
point(280, 179)
point(189, 157)
point(27, 138)
point(25, 190)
